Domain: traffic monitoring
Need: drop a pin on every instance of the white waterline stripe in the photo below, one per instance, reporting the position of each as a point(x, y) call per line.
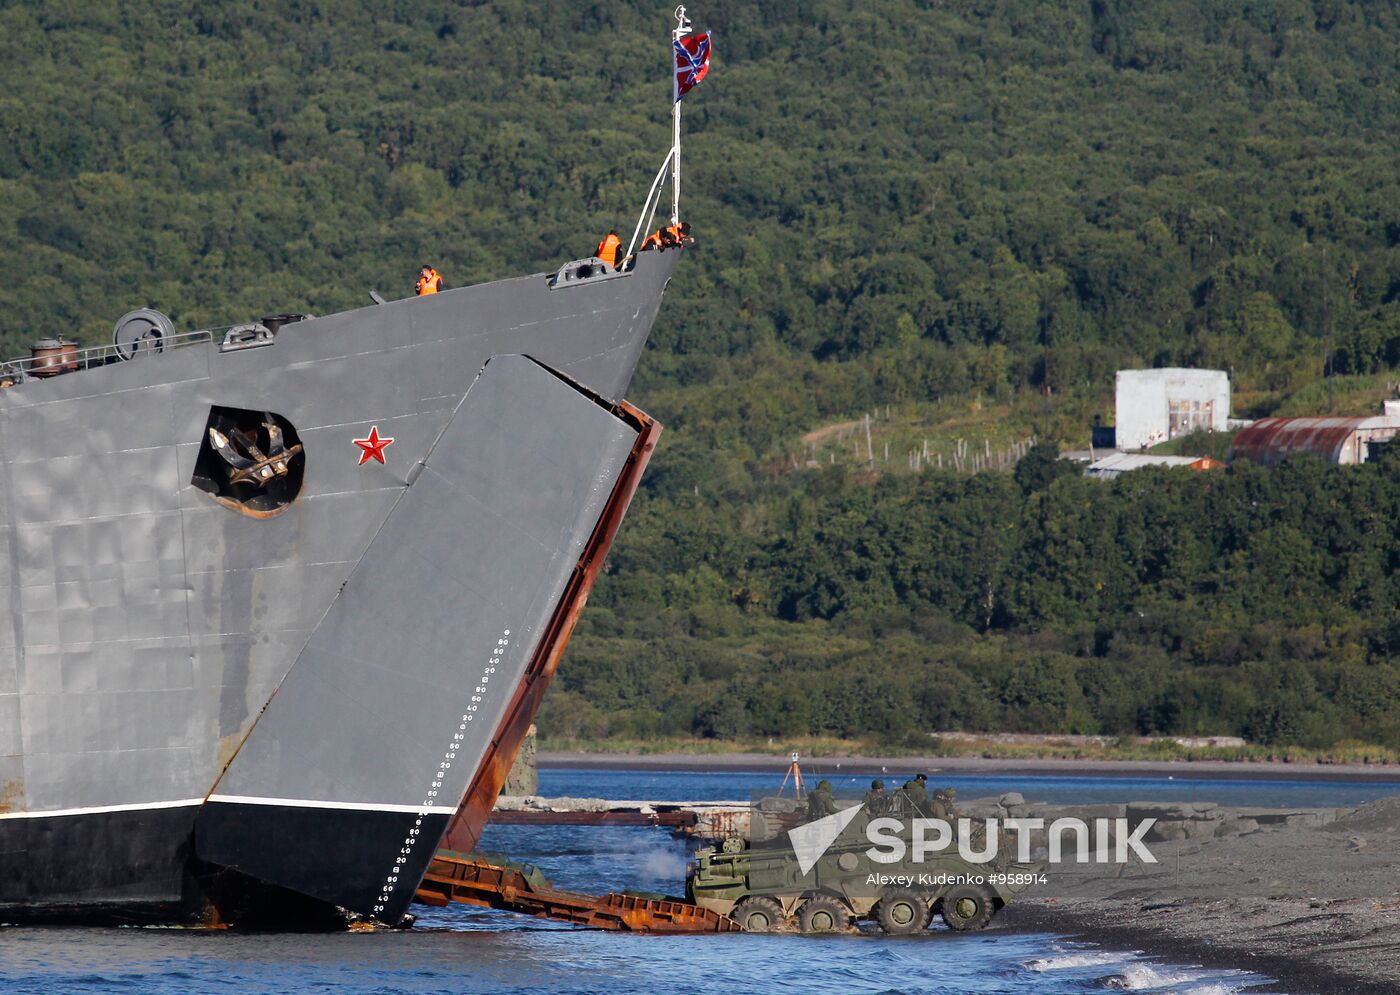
point(101, 809)
point(351, 806)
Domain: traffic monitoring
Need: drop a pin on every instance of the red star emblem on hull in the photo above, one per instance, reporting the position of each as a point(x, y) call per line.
point(372, 446)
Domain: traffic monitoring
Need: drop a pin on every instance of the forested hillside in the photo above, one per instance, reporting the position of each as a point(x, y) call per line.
point(938, 205)
point(1252, 602)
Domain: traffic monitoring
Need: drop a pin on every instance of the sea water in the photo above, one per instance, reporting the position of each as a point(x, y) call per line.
point(463, 950)
point(466, 952)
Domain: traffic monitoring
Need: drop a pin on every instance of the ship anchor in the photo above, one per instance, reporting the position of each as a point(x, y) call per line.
point(248, 463)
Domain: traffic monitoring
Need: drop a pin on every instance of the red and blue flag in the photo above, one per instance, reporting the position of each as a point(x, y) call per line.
point(692, 63)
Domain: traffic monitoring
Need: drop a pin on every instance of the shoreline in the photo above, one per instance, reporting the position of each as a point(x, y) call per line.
point(1309, 902)
point(1296, 974)
point(1206, 770)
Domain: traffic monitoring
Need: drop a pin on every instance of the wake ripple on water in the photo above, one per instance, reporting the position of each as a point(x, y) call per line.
point(1136, 973)
point(1085, 959)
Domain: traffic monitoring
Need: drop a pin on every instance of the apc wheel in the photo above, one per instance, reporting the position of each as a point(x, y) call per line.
point(823, 914)
point(901, 911)
point(967, 907)
point(758, 915)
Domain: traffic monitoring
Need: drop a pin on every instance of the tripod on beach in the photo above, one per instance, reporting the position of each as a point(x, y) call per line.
point(794, 774)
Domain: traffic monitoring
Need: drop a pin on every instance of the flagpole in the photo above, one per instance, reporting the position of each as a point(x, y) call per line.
point(653, 201)
point(675, 162)
point(682, 29)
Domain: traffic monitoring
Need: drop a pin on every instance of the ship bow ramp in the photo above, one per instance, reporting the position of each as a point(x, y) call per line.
point(350, 777)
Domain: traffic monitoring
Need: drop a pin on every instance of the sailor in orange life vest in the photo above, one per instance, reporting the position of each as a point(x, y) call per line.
point(670, 237)
point(609, 248)
point(429, 282)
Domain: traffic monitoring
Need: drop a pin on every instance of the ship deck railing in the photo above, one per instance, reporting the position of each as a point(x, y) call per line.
point(33, 368)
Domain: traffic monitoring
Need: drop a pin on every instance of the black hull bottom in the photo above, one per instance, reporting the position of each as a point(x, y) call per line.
point(310, 849)
point(138, 868)
point(100, 867)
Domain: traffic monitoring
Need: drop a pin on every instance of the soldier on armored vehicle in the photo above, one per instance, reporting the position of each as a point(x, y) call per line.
point(809, 879)
point(915, 792)
point(819, 802)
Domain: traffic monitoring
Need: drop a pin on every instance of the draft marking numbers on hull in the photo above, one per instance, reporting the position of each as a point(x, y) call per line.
point(430, 800)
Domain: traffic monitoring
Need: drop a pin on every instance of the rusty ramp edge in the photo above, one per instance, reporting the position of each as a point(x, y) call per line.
point(470, 879)
point(464, 831)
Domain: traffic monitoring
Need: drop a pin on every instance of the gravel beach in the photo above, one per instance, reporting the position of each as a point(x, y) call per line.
point(1316, 906)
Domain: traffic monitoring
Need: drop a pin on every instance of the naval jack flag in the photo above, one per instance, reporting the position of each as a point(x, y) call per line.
point(692, 63)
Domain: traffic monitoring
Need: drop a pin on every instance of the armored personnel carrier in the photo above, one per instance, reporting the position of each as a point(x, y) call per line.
point(782, 884)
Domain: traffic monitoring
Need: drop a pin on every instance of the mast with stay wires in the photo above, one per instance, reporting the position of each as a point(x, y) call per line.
point(690, 62)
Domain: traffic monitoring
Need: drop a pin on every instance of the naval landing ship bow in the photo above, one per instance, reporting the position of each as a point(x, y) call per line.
point(282, 599)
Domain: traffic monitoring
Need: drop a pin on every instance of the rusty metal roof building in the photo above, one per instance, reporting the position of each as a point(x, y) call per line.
point(1337, 440)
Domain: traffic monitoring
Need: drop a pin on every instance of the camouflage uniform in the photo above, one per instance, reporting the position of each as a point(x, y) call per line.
point(819, 802)
point(941, 805)
point(915, 798)
point(876, 801)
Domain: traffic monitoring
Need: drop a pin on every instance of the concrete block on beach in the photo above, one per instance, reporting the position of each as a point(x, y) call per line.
point(988, 808)
point(1091, 812)
point(1230, 826)
point(508, 803)
point(1169, 830)
point(1172, 811)
point(1296, 818)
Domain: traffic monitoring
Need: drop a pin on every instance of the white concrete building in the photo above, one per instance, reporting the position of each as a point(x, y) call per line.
point(1156, 405)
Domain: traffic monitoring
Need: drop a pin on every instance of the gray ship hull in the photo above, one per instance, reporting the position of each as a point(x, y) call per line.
point(206, 708)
